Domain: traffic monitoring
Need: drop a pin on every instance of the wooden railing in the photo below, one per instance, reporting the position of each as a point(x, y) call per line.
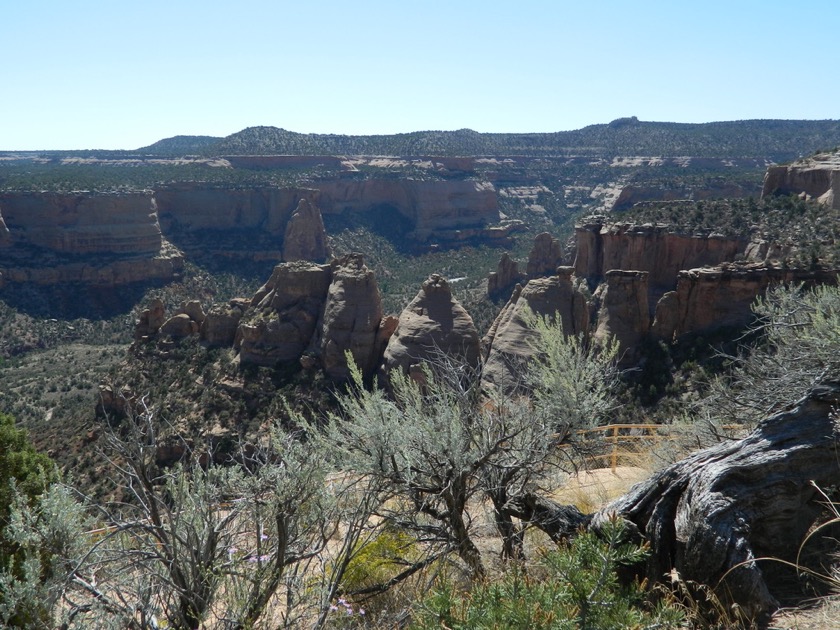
point(624, 439)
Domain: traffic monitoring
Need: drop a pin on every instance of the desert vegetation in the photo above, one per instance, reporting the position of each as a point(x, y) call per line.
point(342, 518)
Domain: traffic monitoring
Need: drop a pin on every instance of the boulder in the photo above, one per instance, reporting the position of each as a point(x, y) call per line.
point(150, 320)
point(306, 238)
point(192, 308)
point(179, 326)
point(434, 324)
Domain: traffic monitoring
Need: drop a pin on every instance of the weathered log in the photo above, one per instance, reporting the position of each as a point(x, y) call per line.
point(710, 516)
point(714, 516)
point(560, 522)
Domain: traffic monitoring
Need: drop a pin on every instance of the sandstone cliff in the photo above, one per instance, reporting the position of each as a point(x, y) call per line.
point(83, 223)
point(623, 312)
point(429, 205)
point(818, 177)
point(502, 280)
point(100, 240)
point(602, 246)
point(710, 298)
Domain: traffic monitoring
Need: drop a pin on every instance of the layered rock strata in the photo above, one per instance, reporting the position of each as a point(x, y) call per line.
point(653, 248)
point(817, 177)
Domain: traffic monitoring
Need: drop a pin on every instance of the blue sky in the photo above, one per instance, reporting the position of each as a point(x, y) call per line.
point(115, 74)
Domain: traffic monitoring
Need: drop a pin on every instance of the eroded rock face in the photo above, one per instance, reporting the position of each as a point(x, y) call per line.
point(150, 321)
point(195, 207)
point(508, 343)
point(623, 312)
point(505, 277)
point(818, 177)
point(429, 205)
point(83, 223)
point(433, 323)
point(545, 256)
point(711, 298)
point(221, 322)
point(652, 248)
point(179, 326)
point(279, 325)
point(306, 238)
point(351, 319)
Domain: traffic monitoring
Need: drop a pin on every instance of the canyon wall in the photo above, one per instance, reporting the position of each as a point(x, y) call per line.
point(82, 223)
point(603, 246)
point(817, 177)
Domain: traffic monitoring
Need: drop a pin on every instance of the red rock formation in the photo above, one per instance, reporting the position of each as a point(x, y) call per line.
point(150, 321)
point(434, 323)
point(429, 205)
point(221, 322)
point(623, 312)
point(279, 325)
point(305, 237)
point(507, 344)
point(351, 319)
point(545, 256)
point(722, 296)
point(506, 275)
point(83, 223)
point(818, 177)
point(191, 207)
point(655, 249)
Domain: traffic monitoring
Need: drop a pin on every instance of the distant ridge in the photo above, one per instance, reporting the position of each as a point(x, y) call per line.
point(177, 146)
point(777, 140)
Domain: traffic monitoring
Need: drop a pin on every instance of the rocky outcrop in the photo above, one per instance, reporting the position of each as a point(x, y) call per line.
point(150, 320)
point(509, 342)
point(502, 280)
point(545, 256)
point(718, 297)
point(631, 195)
point(433, 324)
point(623, 312)
point(351, 319)
point(429, 205)
point(653, 248)
point(306, 238)
point(817, 177)
point(221, 322)
point(96, 272)
point(281, 321)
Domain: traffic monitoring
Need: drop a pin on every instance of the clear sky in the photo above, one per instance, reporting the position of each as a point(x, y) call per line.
point(120, 74)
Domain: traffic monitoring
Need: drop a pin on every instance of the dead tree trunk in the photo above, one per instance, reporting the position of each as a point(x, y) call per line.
point(710, 516)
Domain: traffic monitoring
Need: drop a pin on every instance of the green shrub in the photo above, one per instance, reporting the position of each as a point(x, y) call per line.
point(574, 587)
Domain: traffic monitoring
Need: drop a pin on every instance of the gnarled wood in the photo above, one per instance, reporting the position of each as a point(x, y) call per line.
point(711, 515)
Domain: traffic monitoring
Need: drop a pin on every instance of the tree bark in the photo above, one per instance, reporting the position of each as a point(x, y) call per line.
point(713, 515)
